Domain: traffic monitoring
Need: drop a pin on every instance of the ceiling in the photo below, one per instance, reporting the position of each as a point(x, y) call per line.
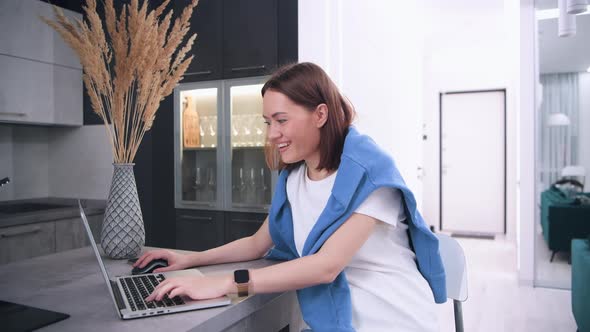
point(559, 54)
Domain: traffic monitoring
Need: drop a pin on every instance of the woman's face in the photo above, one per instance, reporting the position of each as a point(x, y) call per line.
point(292, 128)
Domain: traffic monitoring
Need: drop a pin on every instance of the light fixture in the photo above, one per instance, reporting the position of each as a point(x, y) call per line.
point(558, 120)
point(576, 6)
point(552, 13)
point(588, 69)
point(567, 22)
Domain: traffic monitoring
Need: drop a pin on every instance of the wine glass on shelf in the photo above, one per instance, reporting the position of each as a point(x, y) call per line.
point(261, 187)
point(211, 187)
point(235, 134)
point(201, 131)
point(198, 184)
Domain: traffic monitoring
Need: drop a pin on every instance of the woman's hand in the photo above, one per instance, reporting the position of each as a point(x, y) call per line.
point(197, 288)
point(175, 260)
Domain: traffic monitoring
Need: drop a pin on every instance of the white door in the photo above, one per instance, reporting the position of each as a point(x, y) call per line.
point(473, 165)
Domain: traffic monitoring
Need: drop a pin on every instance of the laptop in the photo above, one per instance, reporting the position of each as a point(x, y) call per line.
point(128, 292)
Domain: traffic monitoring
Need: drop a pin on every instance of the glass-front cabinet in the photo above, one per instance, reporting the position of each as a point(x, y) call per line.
point(219, 146)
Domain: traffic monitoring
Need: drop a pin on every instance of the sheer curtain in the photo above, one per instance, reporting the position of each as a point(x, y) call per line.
point(559, 144)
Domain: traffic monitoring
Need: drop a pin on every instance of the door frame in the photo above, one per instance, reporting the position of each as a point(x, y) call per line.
point(440, 156)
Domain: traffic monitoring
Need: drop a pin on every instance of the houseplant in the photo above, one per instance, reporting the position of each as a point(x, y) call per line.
point(128, 68)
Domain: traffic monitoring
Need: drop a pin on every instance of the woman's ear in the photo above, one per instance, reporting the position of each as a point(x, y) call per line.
point(321, 115)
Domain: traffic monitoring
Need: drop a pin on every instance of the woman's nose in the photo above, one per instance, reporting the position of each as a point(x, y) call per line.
point(273, 133)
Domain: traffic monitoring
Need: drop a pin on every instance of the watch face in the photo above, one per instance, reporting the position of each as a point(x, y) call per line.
point(241, 276)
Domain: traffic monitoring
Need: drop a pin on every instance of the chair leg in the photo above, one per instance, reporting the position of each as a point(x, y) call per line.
point(552, 255)
point(458, 316)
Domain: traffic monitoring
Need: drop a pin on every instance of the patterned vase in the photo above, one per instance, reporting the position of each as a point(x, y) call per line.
point(123, 235)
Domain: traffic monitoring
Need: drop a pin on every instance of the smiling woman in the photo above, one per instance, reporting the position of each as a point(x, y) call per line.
point(341, 219)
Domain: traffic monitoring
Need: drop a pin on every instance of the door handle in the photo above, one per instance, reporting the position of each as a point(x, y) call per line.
point(204, 72)
point(26, 232)
point(13, 114)
point(208, 219)
point(252, 221)
point(248, 68)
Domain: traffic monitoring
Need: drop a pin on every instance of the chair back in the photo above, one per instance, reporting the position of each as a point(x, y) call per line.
point(453, 260)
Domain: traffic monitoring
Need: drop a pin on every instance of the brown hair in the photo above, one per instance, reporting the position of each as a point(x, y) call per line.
point(307, 85)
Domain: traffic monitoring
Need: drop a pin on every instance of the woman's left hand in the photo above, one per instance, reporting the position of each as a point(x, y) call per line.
point(197, 288)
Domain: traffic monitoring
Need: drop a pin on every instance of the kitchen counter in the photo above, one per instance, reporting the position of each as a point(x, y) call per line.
point(69, 209)
point(70, 282)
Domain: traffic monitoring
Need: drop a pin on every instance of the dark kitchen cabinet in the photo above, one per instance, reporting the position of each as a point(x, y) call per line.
point(207, 23)
point(242, 224)
point(250, 37)
point(199, 230)
point(240, 38)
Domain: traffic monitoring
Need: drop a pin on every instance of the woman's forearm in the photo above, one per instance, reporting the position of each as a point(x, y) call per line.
point(240, 250)
point(296, 274)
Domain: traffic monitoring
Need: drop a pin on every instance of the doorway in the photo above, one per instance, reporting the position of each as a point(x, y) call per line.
point(473, 162)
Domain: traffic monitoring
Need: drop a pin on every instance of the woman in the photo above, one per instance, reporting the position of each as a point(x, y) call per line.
point(355, 248)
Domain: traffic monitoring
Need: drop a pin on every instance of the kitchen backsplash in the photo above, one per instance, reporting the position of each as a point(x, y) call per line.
point(54, 162)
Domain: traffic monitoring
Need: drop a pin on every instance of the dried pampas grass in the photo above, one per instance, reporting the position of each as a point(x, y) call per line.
point(130, 67)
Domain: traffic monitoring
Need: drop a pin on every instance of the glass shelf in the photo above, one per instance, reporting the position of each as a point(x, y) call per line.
point(219, 146)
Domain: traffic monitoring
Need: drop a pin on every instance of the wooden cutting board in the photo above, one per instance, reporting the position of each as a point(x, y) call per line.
point(190, 124)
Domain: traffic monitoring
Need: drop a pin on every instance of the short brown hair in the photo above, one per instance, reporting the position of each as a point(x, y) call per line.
point(307, 85)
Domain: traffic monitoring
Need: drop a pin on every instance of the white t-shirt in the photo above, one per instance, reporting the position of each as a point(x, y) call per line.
point(388, 293)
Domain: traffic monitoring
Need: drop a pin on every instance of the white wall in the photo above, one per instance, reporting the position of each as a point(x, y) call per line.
point(468, 48)
point(584, 126)
point(526, 144)
point(373, 51)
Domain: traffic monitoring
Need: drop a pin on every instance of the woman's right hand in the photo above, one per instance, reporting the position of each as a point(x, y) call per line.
point(175, 260)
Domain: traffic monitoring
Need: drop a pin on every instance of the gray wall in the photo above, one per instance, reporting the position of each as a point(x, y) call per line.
point(80, 162)
point(55, 162)
point(6, 192)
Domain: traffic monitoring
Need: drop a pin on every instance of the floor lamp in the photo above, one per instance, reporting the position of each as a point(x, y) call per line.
point(559, 153)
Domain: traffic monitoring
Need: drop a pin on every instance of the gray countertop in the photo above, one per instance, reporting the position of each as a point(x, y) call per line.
point(92, 207)
point(70, 282)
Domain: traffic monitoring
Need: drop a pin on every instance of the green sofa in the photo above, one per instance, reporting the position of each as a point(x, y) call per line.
point(581, 283)
point(562, 220)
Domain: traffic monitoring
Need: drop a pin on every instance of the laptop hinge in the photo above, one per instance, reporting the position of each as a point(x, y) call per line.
point(118, 297)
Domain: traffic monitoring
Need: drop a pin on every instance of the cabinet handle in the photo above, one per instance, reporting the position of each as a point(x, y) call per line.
point(248, 68)
point(196, 218)
point(13, 113)
point(247, 221)
point(30, 231)
point(204, 72)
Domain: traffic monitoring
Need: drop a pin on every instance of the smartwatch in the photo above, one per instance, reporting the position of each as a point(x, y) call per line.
point(242, 280)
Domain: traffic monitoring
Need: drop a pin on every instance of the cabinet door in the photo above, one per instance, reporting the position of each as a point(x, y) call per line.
point(26, 90)
point(21, 242)
point(242, 224)
point(249, 37)
point(250, 178)
point(287, 37)
point(199, 230)
point(207, 23)
point(70, 234)
point(197, 138)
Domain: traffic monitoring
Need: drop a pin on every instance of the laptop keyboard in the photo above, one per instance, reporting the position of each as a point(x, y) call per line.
point(137, 288)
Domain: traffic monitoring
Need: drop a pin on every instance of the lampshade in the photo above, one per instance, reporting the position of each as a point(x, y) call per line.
point(558, 119)
point(576, 6)
point(566, 22)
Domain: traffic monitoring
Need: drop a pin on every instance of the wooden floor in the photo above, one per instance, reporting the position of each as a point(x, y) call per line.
point(496, 301)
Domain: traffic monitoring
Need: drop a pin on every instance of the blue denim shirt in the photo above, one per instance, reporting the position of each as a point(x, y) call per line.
point(363, 168)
